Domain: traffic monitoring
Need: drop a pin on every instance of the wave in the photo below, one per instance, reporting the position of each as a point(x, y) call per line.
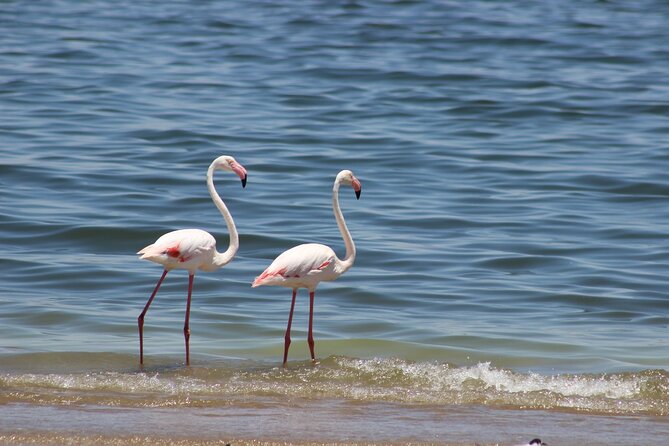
point(218, 383)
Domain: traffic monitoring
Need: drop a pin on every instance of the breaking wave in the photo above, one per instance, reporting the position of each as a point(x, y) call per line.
point(368, 380)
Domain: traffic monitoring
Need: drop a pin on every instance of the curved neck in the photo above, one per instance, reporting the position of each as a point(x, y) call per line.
point(221, 259)
point(347, 262)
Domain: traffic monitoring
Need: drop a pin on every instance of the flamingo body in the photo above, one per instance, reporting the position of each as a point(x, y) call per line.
point(302, 266)
point(305, 266)
point(189, 249)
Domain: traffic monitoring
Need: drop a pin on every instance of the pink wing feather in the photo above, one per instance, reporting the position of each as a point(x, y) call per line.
point(181, 249)
point(297, 264)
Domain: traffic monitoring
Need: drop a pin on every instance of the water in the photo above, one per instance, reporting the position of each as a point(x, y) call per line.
point(511, 233)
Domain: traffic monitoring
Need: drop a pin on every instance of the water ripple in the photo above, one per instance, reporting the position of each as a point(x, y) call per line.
point(513, 159)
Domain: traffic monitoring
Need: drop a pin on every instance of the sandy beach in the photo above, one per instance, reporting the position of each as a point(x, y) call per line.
point(320, 422)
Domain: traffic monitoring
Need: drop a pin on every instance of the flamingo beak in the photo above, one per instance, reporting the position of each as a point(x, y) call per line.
point(240, 171)
point(357, 187)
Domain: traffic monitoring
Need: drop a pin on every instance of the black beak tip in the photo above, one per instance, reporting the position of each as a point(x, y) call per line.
point(244, 181)
point(357, 194)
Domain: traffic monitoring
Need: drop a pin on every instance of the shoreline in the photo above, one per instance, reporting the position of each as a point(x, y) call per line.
point(56, 439)
point(319, 422)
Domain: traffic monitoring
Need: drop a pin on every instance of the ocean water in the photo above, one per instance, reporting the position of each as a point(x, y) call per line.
point(511, 274)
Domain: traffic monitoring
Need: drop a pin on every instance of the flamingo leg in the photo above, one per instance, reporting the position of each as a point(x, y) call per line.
point(186, 326)
point(310, 337)
point(140, 319)
point(290, 322)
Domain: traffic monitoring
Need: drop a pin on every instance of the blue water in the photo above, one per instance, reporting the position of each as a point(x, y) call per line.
point(515, 203)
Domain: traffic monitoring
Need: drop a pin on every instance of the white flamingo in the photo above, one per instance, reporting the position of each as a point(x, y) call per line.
point(305, 266)
point(193, 249)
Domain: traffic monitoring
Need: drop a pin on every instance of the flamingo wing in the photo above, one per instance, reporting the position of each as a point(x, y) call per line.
point(297, 264)
point(182, 246)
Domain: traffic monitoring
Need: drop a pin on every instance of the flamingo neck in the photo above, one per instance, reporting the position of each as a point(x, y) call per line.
point(221, 259)
point(348, 260)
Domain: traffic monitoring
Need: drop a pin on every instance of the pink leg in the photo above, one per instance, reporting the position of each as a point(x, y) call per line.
point(140, 319)
point(186, 326)
point(310, 337)
point(290, 322)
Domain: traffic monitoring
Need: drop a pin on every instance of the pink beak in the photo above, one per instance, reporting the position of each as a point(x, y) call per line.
point(240, 171)
point(357, 187)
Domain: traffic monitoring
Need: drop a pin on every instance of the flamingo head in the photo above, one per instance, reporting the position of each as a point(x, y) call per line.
point(226, 162)
point(347, 177)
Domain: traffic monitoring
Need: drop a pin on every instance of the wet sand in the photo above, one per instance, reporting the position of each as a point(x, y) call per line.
point(319, 422)
point(47, 440)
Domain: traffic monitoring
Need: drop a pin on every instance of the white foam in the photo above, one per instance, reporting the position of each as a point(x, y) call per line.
point(379, 379)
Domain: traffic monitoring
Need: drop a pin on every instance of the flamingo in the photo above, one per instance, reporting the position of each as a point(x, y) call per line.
point(193, 249)
point(305, 266)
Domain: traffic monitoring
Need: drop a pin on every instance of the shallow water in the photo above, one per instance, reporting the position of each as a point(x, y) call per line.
point(116, 380)
point(511, 233)
point(337, 400)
